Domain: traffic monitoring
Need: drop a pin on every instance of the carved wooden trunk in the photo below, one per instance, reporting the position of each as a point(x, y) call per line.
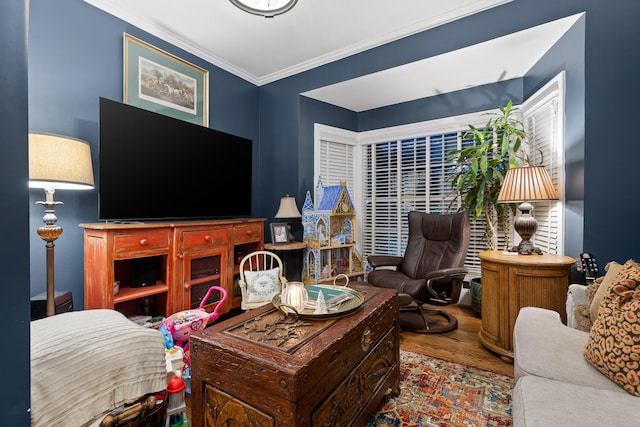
point(262, 369)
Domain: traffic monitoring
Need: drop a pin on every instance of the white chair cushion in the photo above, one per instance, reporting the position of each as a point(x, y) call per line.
point(262, 285)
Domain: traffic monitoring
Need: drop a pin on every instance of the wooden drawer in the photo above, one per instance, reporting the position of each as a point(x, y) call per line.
point(204, 238)
point(138, 242)
point(247, 233)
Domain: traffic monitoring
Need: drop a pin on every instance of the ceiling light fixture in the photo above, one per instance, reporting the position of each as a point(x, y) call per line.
point(266, 8)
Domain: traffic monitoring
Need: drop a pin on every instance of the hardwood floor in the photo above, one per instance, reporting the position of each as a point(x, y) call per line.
point(461, 345)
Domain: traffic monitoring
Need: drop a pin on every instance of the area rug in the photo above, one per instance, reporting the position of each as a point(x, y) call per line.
point(435, 392)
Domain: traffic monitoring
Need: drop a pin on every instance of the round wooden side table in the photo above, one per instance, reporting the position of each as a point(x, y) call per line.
point(510, 282)
point(291, 259)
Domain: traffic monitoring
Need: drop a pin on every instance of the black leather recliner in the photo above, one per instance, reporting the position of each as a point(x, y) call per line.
point(430, 272)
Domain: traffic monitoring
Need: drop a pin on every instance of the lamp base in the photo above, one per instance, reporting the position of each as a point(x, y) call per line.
point(50, 232)
point(526, 248)
point(526, 226)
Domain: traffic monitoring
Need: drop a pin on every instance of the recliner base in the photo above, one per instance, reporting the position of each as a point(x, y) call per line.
point(426, 321)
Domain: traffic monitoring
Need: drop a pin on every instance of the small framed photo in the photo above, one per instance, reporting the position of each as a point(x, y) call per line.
point(279, 233)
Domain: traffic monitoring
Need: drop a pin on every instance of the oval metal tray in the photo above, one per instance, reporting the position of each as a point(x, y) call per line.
point(345, 308)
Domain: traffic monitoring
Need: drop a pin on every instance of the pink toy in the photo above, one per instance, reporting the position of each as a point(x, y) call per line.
point(181, 324)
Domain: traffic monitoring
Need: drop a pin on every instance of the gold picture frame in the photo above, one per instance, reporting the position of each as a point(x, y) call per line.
point(163, 83)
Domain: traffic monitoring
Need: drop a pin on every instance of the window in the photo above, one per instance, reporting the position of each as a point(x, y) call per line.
point(392, 171)
point(405, 175)
point(334, 157)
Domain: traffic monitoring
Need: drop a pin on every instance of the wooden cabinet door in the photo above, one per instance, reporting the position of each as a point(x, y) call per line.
point(201, 270)
point(492, 309)
point(539, 287)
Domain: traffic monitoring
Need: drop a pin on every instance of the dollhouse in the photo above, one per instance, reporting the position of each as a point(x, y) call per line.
point(329, 231)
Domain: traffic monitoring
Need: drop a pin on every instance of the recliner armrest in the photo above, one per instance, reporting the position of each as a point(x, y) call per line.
point(384, 260)
point(445, 273)
point(456, 275)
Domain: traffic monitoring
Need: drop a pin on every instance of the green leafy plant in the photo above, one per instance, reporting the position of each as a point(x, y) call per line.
point(482, 166)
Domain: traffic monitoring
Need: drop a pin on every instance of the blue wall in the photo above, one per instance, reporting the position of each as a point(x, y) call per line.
point(479, 98)
point(14, 208)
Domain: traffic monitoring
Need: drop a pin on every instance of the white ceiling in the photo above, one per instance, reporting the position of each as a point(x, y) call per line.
point(316, 32)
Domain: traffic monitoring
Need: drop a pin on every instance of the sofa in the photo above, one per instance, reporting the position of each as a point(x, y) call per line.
point(555, 383)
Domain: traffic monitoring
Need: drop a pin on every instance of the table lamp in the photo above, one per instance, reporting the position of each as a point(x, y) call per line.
point(523, 185)
point(56, 162)
point(288, 210)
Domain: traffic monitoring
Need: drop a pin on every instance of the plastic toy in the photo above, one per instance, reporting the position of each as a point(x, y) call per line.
point(183, 323)
point(168, 339)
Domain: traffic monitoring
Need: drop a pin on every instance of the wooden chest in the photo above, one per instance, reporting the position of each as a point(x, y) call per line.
point(330, 372)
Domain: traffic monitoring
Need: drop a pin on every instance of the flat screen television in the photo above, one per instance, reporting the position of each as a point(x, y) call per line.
point(155, 167)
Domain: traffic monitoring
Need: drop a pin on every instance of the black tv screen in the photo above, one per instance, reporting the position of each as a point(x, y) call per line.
point(156, 167)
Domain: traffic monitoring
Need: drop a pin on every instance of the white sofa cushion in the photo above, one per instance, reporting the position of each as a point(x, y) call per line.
point(540, 402)
point(545, 347)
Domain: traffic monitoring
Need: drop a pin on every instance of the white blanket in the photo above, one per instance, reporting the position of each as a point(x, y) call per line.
point(85, 363)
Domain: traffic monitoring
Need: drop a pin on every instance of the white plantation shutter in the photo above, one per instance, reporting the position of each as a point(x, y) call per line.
point(381, 222)
point(441, 197)
point(543, 123)
point(336, 163)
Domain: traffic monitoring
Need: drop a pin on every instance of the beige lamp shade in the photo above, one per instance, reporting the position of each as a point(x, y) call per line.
point(59, 162)
point(527, 184)
point(288, 208)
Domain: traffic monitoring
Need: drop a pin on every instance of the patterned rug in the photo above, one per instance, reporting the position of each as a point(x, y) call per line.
point(434, 392)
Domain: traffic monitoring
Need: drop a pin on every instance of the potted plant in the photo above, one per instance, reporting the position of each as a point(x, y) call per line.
point(481, 168)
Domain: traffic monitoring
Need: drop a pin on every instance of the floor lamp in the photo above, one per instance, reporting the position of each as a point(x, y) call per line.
point(523, 185)
point(56, 162)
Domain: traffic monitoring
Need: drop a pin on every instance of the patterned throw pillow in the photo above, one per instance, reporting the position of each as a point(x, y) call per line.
point(262, 285)
point(613, 346)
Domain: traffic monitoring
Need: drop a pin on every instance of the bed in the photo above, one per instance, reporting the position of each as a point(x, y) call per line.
point(86, 363)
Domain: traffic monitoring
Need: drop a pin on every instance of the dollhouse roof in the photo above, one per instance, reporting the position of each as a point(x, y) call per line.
point(331, 197)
